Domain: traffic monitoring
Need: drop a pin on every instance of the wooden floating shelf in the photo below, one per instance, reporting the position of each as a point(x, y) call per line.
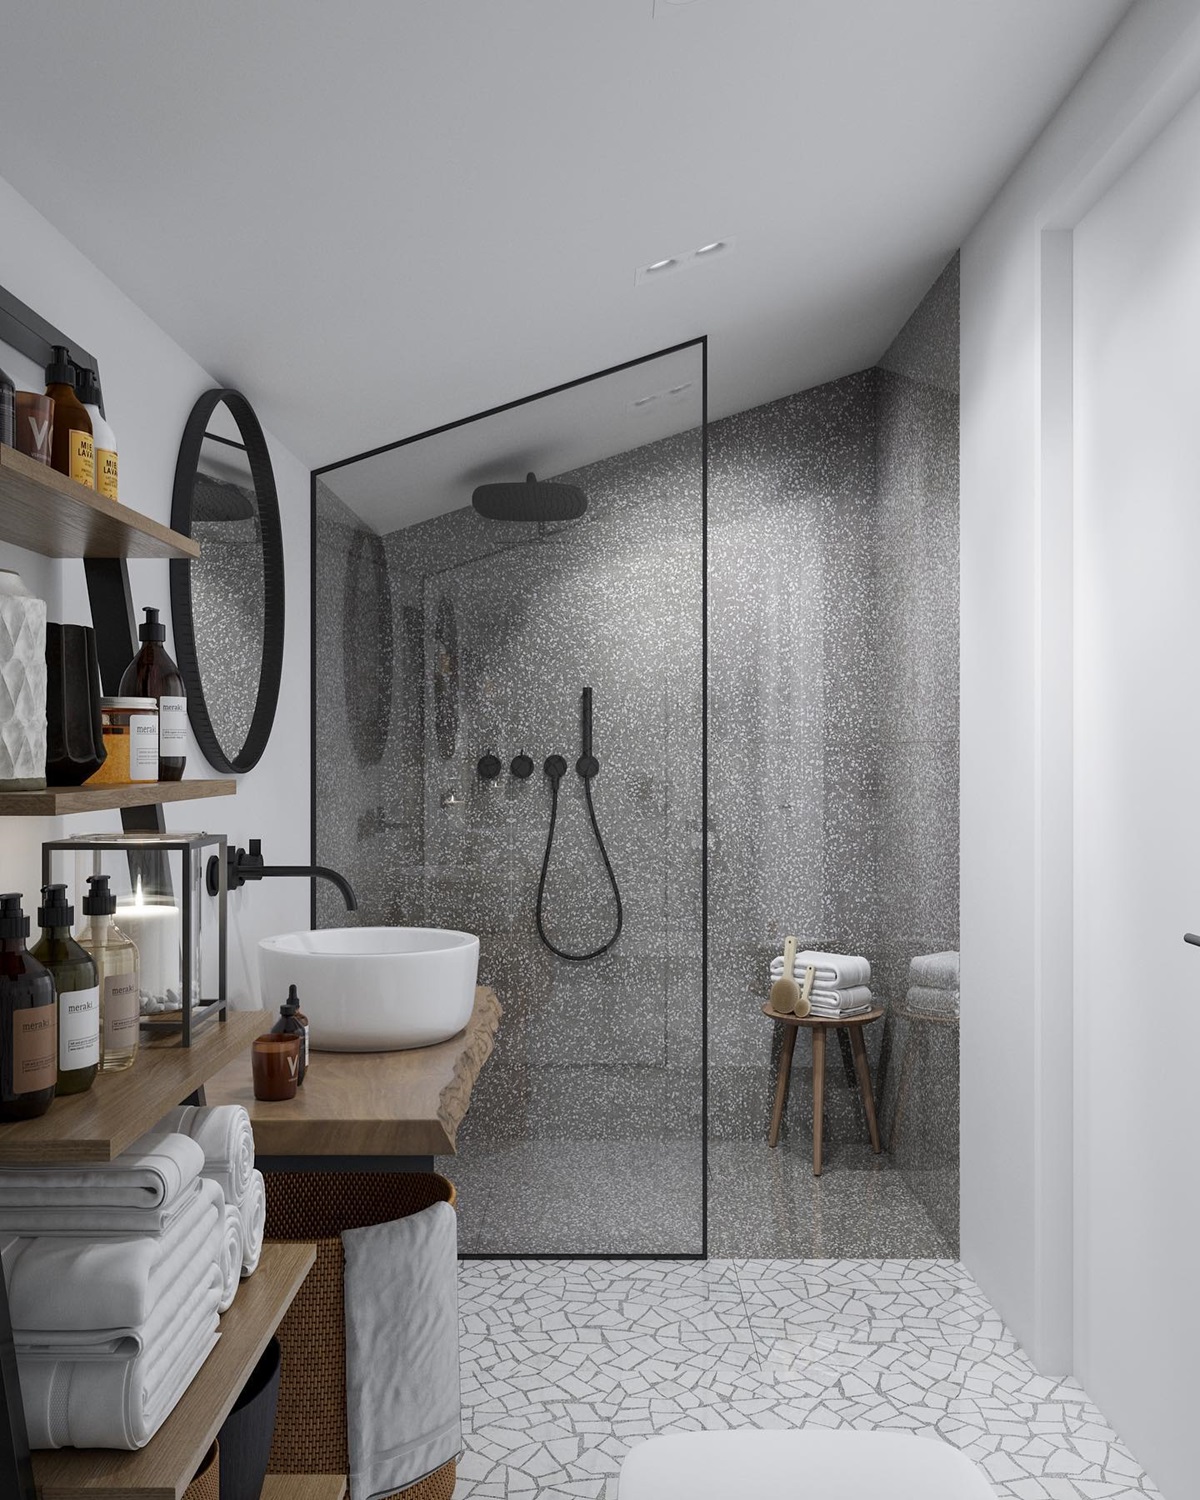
point(56, 801)
point(164, 1468)
point(119, 1107)
point(46, 512)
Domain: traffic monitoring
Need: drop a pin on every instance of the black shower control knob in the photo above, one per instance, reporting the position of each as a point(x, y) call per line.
point(555, 767)
point(587, 766)
point(489, 766)
point(522, 766)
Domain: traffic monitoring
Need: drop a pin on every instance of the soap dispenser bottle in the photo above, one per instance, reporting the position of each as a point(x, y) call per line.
point(104, 439)
point(71, 451)
point(293, 1022)
point(116, 960)
point(28, 1021)
point(152, 674)
point(78, 987)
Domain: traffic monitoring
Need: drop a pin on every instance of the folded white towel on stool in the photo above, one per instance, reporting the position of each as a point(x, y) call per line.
point(252, 1211)
point(935, 971)
point(932, 1001)
point(224, 1134)
point(834, 971)
point(75, 1291)
point(150, 1175)
point(840, 1002)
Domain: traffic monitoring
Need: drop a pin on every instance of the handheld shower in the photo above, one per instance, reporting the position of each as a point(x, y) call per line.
point(588, 768)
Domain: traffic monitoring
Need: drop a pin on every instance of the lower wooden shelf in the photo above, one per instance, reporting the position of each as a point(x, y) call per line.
point(164, 1468)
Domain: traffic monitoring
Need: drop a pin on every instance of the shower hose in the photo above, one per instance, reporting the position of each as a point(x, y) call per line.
point(588, 767)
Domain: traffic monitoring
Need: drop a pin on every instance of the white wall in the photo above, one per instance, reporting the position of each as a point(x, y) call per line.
point(1137, 322)
point(1019, 1014)
point(149, 387)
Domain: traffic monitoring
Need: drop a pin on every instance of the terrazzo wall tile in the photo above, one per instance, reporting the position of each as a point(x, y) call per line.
point(833, 764)
point(916, 534)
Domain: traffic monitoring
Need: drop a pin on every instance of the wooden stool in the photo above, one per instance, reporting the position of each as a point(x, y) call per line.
point(819, 1025)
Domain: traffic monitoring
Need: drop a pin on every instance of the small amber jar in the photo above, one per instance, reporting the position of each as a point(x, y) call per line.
point(130, 730)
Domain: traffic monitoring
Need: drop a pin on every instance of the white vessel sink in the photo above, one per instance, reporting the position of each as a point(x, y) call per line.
point(374, 989)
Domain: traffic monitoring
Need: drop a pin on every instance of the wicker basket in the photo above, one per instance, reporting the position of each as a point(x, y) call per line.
point(310, 1428)
point(207, 1483)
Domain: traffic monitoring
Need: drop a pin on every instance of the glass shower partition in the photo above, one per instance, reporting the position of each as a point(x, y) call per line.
point(452, 654)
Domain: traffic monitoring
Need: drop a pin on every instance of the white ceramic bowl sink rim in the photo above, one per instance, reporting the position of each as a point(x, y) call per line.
point(374, 989)
point(369, 942)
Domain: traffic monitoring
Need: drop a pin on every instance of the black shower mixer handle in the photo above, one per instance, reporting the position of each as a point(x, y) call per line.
point(587, 765)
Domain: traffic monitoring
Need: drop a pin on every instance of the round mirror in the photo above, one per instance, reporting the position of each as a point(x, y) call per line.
point(227, 605)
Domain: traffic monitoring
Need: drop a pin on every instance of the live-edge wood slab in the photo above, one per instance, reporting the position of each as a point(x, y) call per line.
point(407, 1103)
point(164, 1468)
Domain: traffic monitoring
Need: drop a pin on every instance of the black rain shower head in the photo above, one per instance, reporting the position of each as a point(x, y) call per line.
point(534, 500)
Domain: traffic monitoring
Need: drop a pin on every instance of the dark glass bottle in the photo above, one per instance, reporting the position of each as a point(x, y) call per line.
point(71, 450)
point(28, 1021)
point(293, 1022)
point(152, 674)
point(78, 987)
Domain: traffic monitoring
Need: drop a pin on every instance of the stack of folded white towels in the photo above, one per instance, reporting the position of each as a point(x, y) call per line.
point(933, 983)
point(841, 982)
point(117, 1274)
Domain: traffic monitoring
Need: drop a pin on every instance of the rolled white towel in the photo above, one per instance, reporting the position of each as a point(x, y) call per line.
point(233, 1253)
point(149, 1176)
point(224, 1133)
point(833, 970)
point(253, 1213)
point(934, 971)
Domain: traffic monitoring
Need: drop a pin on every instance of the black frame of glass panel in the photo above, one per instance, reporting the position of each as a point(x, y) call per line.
point(700, 343)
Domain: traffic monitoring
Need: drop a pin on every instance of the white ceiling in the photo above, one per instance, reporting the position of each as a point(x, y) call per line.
point(375, 216)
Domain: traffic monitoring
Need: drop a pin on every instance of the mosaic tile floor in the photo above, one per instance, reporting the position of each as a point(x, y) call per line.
point(567, 1364)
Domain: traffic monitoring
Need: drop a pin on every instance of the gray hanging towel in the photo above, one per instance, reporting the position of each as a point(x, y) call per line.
point(403, 1409)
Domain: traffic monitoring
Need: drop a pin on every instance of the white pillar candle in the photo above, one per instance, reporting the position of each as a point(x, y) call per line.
point(156, 926)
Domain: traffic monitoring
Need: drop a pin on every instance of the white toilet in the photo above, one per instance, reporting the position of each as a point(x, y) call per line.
point(799, 1465)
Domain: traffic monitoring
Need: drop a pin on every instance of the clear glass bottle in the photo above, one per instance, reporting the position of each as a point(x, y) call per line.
point(74, 976)
point(28, 1021)
point(116, 960)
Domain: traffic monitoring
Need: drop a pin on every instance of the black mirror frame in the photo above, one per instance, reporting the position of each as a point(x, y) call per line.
point(267, 499)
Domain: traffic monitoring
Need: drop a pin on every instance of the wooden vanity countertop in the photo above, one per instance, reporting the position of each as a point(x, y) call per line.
point(370, 1103)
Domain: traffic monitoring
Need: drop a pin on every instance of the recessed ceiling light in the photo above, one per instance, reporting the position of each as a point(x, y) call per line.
point(680, 262)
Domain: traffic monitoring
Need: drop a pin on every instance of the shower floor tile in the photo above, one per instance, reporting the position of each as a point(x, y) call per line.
point(764, 1203)
point(567, 1364)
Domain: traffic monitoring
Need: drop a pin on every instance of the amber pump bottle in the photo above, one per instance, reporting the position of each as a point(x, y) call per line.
point(78, 987)
point(152, 674)
point(71, 452)
point(28, 1021)
point(293, 1022)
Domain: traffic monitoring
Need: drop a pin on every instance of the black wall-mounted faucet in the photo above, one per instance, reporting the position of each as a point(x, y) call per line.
point(243, 865)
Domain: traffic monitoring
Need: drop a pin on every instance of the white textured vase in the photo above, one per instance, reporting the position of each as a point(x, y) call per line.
point(22, 687)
